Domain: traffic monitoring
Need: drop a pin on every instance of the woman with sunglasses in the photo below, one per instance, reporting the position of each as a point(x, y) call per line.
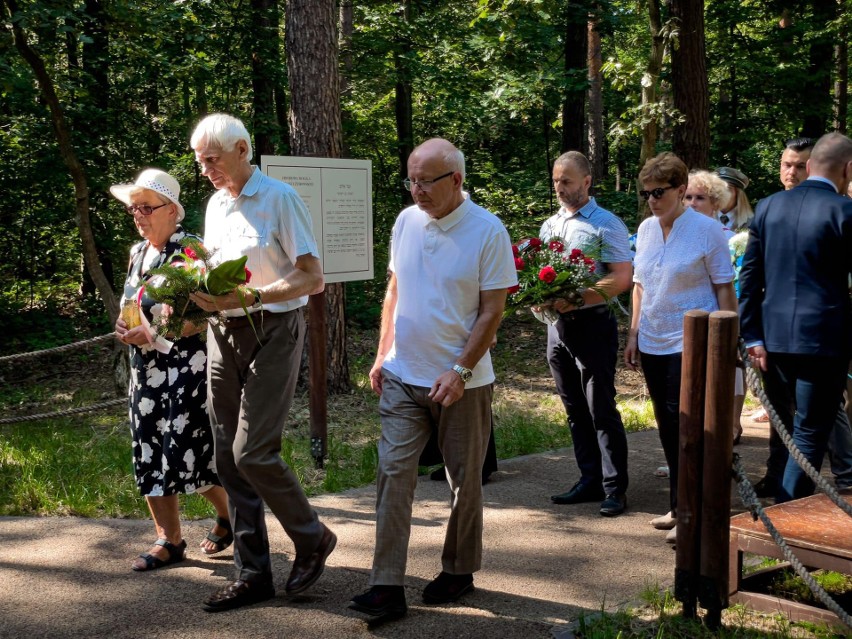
point(172, 438)
point(682, 263)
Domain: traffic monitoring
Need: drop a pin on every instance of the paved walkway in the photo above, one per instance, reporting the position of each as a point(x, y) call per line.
point(544, 565)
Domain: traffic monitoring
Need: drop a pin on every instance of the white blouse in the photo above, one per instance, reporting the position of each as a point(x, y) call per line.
point(677, 275)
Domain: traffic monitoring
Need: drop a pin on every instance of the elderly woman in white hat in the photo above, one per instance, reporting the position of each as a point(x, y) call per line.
point(172, 439)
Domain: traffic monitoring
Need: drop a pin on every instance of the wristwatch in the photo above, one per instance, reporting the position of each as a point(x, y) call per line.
point(464, 373)
point(258, 302)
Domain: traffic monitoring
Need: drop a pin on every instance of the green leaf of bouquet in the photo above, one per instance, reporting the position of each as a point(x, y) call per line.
point(226, 276)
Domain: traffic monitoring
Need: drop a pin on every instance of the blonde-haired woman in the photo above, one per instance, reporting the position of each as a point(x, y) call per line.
point(737, 214)
point(708, 194)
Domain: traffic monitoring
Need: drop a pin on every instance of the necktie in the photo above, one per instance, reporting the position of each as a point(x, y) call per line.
point(724, 219)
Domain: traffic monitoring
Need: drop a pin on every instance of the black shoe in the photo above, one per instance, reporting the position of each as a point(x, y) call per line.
point(766, 487)
point(446, 588)
point(239, 593)
point(381, 601)
point(579, 494)
point(614, 504)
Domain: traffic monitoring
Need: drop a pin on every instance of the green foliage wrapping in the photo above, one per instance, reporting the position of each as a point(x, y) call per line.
point(186, 272)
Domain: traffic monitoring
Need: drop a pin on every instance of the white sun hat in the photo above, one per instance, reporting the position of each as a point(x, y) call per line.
point(155, 180)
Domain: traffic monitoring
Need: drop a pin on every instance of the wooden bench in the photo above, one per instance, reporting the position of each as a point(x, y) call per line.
point(818, 533)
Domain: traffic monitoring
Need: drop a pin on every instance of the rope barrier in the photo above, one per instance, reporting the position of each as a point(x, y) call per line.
point(69, 411)
point(751, 501)
point(62, 413)
point(757, 388)
point(58, 349)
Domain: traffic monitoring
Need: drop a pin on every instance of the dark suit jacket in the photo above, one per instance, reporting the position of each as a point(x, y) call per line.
point(794, 282)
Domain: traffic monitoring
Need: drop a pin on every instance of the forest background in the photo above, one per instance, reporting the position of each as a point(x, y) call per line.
point(512, 82)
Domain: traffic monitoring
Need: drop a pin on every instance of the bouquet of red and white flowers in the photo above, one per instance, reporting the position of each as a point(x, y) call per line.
point(190, 271)
point(546, 273)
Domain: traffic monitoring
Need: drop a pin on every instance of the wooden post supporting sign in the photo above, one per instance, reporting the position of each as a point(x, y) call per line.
point(319, 377)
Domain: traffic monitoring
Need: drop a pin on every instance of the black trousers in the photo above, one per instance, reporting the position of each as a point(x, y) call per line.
point(662, 376)
point(581, 350)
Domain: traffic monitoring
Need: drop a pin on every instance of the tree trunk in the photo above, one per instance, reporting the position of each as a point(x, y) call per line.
point(347, 28)
point(264, 71)
point(819, 103)
point(402, 101)
point(574, 98)
point(315, 131)
point(689, 84)
point(596, 132)
point(650, 82)
point(66, 149)
point(841, 80)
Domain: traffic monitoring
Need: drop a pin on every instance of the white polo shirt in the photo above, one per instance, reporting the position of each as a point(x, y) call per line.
point(441, 266)
point(267, 221)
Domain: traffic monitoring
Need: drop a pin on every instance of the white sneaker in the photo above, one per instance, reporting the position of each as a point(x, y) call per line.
point(671, 536)
point(664, 522)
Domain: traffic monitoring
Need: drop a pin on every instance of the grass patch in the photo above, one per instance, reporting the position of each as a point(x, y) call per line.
point(659, 616)
point(81, 465)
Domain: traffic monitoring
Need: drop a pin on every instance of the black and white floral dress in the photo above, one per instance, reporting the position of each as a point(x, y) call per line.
point(172, 438)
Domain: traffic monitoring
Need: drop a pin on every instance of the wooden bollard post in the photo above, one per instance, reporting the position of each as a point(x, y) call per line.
point(318, 373)
point(690, 438)
point(718, 459)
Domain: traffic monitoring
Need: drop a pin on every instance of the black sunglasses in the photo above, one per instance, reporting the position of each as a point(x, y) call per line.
point(656, 193)
point(146, 210)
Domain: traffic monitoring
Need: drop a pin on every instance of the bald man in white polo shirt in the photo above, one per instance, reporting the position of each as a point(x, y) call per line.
point(450, 267)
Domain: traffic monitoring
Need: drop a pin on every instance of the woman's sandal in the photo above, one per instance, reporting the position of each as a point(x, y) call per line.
point(220, 541)
point(176, 554)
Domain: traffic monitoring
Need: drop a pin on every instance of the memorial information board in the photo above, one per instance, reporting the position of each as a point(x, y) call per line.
point(338, 193)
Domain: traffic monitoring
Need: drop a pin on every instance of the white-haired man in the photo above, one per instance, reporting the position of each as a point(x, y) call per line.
point(252, 371)
point(450, 267)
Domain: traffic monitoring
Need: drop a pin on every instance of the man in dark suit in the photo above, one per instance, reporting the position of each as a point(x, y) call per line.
point(794, 302)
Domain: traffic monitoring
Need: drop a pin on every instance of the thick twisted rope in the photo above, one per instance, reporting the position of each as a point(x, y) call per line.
point(63, 413)
point(58, 349)
point(756, 387)
point(751, 501)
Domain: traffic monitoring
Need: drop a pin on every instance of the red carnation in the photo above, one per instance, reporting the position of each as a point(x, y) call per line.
point(515, 250)
point(547, 274)
point(248, 275)
point(190, 253)
point(556, 245)
point(514, 289)
point(535, 243)
point(519, 264)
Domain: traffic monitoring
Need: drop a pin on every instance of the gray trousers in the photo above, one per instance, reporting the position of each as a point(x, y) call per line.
point(250, 387)
point(408, 417)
